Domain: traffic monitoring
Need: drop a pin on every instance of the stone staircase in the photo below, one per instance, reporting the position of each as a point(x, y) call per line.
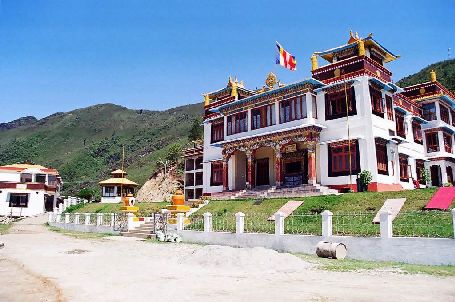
point(273, 192)
point(144, 231)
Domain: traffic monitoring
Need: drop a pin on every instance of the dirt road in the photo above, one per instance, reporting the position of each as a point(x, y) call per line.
point(39, 265)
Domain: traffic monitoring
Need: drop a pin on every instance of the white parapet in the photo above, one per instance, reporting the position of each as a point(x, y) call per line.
point(77, 218)
point(99, 219)
point(87, 218)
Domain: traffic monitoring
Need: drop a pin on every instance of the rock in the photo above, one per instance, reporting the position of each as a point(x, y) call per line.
point(159, 187)
point(2, 244)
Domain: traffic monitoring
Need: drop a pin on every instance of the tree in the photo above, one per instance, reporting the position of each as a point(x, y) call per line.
point(174, 154)
point(86, 193)
point(197, 130)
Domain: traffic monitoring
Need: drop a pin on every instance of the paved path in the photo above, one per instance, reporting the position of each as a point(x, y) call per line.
point(53, 267)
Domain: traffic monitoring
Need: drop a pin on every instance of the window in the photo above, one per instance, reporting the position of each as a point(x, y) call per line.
point(447, 142)
point(389, 105)
point(109, 191)
point(189, 164)
point(432, 142)
point(339, 158)
point(381, 157)
point(420, 167)
point(429, 111)
point(263, 116)
point(189, 179)
point(18, 200)
point(293, 109)
point(444, 114)
point(26, 177)
point(41, 178)
point(315, 107)
point(217, 134)
point(198, 180)
point(399, 121)
point(198, 163)
point(126, 190)
point(335, 104)
point(52, 180)
point(404, 170)
point(217, 174)
point(417, 132)
point(376, 102)
point(376, 57)
point(237, 123)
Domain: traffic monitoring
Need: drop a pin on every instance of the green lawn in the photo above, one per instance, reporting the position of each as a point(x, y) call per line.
point(353, 215)
point(4, 228)
point(145, 208)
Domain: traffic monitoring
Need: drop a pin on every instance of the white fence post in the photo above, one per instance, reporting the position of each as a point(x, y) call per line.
point(60, 208)
point(279, 223)
point(99, 219)
point(76, 218)
point(112, 219)
point(327, 226)
point(50, 217)
point(386, 224)
point(180, 221)
point(453, 222)
point(239, 223)
point(130, 221)
point(59, 217)
point(67, 217)
point(208, 222)
point(87, 218)
point(55, 210)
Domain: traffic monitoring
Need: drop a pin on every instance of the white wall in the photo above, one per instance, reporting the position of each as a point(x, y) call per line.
point(36, 203)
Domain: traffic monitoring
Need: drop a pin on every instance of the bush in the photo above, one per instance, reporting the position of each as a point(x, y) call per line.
point(364, 180)
point(86, 193)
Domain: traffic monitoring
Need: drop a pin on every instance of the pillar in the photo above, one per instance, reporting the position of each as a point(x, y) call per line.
point(208, 222)
point(50, 217)
point(130, 221)
point(225, 174)
point(67, 217)
point(180, 221)
point(87, 219)
point(279, 223)
point(250, 169)
point(311, 166)
point(76, 218)
point(386, 224)
point(278, 177)
point(327, 226)
point(239, 223)
point(99, 219)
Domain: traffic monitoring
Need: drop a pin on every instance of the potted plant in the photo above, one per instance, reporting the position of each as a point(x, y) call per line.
point(363, 180)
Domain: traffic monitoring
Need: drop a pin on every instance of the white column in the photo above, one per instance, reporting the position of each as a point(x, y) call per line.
point(55, 210)
point(180, 220)
point(239, 223)
point(386, 224)
point(50, 217)
point(279, 223)
point(76, 218)
point(60, 208)
point(87, 219)
point(438, 111)
point(453, 221)
point(67, 217)
point(130, 221)
point(99, 218)
point(248, 115)
point(112, 219)
point(208, 222)
point(59, 217)
point(277, 113)
point(327, 223)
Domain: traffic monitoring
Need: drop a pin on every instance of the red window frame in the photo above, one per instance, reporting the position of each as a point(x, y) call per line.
point(381, 158)
point(447, 142)
point(417, 132)
point(217, 131)
point(263, 117)
point(339, 158)
point(216, 177)
point(432, 141)
point(314, 106)
point(399, 122)
point(335, 104)
point(377, 105)
point(237, 123)
point(404, 167)
point(445, 112)
point(389, 105)
point(429, 111)
point(293, 109)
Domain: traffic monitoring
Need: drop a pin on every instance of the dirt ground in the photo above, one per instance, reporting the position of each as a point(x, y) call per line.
point(39, 265)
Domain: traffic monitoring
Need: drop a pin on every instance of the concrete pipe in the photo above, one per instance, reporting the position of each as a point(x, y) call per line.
point(334, 250)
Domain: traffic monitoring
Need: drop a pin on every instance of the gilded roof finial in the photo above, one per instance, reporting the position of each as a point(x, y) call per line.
point(314, 62)
point(206, 100)
point(271, 80)
point(361, 48)
point(433, 76)
point(234, 86)
point(353, 38)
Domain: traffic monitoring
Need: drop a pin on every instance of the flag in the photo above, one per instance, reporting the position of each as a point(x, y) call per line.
point(285, 59)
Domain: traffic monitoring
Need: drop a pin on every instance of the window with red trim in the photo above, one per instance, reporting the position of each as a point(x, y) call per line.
point(237, 123)
point(377, 105)
point(381, 157)
point(335, 104)
point(404, 169)
point(217, 134)
point(429, 111)
point(216, 178)
point(444, 114)
point(389, 105)
point(293, 109)
point(399, 122)
point(315, 107)
point(432, 141)
point(263, 116)
point(417, 132)
point(339, 158)
point(447, 142)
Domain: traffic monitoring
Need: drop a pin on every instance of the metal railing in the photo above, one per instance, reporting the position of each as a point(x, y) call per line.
point(303, 224)
point(355, 224)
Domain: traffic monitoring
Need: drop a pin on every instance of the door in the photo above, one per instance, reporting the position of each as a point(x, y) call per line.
point(262, 172)
point(435, 172)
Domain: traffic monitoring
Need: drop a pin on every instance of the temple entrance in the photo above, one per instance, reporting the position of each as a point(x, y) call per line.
point(262, 174)
point(295, 168)
point(239, 169)
point(435, 172)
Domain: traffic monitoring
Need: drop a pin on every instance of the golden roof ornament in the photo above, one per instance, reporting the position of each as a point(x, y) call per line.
point(314, 62)
point(433, 76)
point(271, 80)
point(206, 100)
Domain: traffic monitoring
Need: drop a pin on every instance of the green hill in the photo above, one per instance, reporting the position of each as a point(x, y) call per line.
point(85, 144)
point(445, 71)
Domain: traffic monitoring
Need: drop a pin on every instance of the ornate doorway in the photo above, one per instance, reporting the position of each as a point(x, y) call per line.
point(262, 168)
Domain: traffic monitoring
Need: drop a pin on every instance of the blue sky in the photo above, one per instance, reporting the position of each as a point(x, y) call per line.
point(62, 55)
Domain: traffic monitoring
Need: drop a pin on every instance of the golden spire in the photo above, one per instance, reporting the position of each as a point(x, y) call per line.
point(433, 76)
point(206, 100)
point(234, 85)
point(314, 62)
point(361, 48)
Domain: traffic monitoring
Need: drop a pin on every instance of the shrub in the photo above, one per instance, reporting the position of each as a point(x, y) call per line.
point(364, 180)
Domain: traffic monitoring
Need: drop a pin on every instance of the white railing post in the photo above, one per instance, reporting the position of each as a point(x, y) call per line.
point(60, 208)
point(208, 222)
point(112, 219)
point(59, 217)
point(453, 222)
point(50, 218)
point(279, 223)
point(327, 226)
point(76, 218)
point(87, 218)
point(130, 221)
point(180, 221)
point(99, 219)
point(239, 223)
point(386, 224)
point(55, 210)
point(67, 217)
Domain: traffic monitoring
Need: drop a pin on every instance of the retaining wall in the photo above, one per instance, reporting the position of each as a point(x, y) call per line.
point(86, 228)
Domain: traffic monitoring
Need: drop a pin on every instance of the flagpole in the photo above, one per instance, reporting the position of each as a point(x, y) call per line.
point(349, 134)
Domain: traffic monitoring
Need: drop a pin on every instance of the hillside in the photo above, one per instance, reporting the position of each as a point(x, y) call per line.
point(85, 144)
point(445, 71)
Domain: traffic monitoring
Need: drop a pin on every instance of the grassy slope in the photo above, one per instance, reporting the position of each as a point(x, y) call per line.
point(145, 209)
point(4, 228)
point(85, 144)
